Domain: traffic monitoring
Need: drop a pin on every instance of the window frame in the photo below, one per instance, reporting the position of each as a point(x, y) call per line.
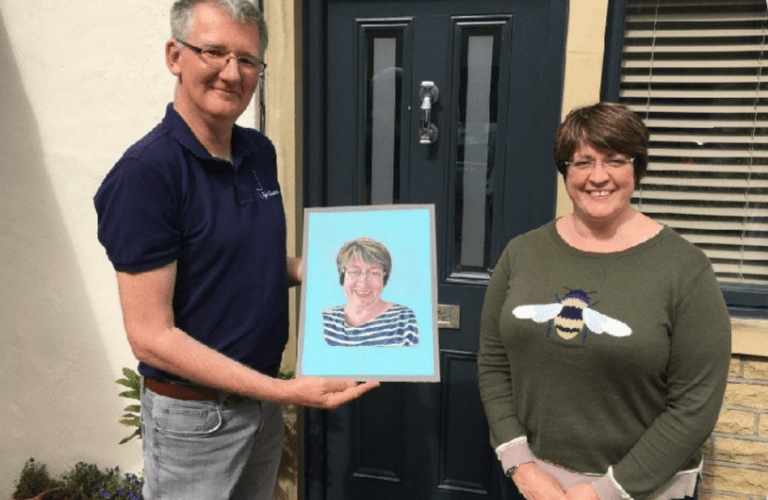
point(746, 301)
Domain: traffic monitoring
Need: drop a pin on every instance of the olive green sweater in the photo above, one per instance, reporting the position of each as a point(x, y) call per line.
point(640, 397)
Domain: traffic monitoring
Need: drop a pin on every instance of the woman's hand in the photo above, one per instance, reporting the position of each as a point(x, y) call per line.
point(581, 492)
point(535, 484)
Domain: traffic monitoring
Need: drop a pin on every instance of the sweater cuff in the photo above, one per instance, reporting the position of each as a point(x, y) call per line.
point(514, 452)
point(606, 488)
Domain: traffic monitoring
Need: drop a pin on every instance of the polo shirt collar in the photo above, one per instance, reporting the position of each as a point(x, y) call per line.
point(241, 146)
point(179, 129)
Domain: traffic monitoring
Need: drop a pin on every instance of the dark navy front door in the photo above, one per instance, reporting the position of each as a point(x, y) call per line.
point(453, 103)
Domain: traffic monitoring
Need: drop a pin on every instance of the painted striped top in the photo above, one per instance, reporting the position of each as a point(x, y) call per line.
point(396, 327)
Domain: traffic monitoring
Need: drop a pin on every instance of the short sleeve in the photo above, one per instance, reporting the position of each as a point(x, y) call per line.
point(138, 222)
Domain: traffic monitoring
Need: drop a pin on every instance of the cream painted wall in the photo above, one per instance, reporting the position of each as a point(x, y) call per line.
point(583, 67)
point(80, 81)
point(78, 84)
point(283, 104)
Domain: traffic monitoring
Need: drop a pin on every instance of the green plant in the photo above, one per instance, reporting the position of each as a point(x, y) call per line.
point(33, 480)
point(117, 487)
point(80, 482)
point(86, 482)
point(131, 418)
point(83, 482)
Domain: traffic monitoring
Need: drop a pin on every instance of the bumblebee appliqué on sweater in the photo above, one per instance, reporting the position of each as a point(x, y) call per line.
point(572, 315)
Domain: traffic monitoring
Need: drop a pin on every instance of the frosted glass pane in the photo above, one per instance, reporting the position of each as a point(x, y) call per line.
point(476, 144)
point(384, 97)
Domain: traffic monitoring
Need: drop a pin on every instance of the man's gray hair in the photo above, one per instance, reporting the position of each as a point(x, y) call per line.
point(240, 10)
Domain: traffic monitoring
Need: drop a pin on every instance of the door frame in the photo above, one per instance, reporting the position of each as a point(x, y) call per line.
point(534, 193)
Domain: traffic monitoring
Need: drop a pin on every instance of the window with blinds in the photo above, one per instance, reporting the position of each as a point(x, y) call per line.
point(696, 71)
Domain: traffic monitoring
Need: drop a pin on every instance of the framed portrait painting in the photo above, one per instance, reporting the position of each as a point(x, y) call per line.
point(369, 295)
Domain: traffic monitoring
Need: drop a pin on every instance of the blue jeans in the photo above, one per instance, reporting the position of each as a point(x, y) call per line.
point(209, 450)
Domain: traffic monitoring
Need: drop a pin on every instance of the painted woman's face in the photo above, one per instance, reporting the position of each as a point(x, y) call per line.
point(363, 283)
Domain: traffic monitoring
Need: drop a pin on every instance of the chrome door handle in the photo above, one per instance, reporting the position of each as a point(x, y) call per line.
point(428, 93)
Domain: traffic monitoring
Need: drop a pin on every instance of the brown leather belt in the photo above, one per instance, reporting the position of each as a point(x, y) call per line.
point(190, 392)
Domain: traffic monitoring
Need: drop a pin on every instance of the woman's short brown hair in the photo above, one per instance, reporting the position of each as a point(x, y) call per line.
point(369, 251)
point(607, 127)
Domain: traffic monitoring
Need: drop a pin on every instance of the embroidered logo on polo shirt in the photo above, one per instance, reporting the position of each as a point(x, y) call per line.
point(263, 194)
point(268, 194)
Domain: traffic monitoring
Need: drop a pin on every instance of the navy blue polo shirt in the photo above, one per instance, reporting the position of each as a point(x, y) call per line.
point(168, 199)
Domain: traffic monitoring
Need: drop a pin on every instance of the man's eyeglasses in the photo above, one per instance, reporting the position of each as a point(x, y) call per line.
point(613, 162)
point(217, 59)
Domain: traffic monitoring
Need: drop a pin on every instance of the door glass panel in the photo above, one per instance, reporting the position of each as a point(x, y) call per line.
point(476, 147)
point(382, 169)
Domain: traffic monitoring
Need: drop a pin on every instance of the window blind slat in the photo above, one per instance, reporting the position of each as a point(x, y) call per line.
point(735, 241)
point(691, 167)
point(741, 138)
point(731, 184)
point(650, 208)
point(717, 225)
point(734, 262)
point(714, 35)
point(697, 94)
point(693, 63)
point(649, 196)
point(662, 123)
point(693, 108)
point(708, 153)
point(688, 79)
point(700, 18)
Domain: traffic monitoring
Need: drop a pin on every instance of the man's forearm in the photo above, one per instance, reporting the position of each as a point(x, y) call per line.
point(175, 352)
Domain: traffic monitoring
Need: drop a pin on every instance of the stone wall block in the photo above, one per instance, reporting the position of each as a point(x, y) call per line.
point(764, 425)
point(732, 479)
point(740, 451)
point(756, 370)
point(706, 495)
point(746, 395)
point(736, 422)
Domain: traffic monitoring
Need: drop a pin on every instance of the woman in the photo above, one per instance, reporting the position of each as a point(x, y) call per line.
point(364, 267)
point(605, 340)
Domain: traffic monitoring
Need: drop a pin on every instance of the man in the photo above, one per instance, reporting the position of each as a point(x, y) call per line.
point(192, 220)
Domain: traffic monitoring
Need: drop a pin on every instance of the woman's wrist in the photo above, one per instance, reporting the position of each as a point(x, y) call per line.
point(511, 471)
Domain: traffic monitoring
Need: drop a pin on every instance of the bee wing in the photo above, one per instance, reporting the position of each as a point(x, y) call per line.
point(600, 323)
point(538, 312)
